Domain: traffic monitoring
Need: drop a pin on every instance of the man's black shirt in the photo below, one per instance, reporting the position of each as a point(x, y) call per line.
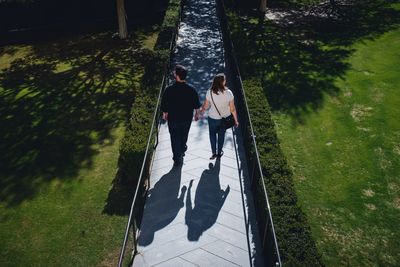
point(179, 100)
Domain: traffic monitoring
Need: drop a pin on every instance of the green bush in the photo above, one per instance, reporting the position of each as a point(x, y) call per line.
point(296, 244)
point(297, 247)
point(133, 145)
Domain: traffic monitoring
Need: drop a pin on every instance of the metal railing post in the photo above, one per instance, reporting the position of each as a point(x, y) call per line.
point(134, 229)
point(253, 169)
point(265, 230)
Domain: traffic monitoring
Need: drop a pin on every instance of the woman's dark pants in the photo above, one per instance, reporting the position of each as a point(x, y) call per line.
point(217, 134)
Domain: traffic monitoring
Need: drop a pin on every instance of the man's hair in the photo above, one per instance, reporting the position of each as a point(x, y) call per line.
point(181, 72)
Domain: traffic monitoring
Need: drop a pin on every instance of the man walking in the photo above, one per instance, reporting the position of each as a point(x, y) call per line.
point(177, 104)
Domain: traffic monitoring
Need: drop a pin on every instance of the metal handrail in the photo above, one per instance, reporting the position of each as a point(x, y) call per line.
point(128, 226)
point(231, 54)
point(154, 127)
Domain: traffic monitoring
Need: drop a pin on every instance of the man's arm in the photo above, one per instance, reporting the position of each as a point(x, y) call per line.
point(164, 105)
point(197, 106)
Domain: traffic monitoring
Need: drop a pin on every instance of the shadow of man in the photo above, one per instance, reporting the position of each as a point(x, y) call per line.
point(208, 201)
point(162, 205)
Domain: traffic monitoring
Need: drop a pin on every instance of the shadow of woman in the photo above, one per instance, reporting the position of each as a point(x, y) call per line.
point(208, 201)
point(162, 205)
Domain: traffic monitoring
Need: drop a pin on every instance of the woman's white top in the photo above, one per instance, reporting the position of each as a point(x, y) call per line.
point(222, 101)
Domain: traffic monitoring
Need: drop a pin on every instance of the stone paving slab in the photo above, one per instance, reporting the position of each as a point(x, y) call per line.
point(176, 262)
point(230, 236)
point(231, 221)
point(224, 181)
point(170, 233)
point(227, 251)
point(172, 249)
point(204, 258)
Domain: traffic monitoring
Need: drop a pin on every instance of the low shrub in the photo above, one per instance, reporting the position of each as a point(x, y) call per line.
point(297, 247)
point(296, 244)
point(133, 145)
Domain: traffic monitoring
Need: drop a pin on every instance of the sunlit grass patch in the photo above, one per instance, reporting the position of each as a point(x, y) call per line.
point(332, 86)
point(8, 54)
point(150, 41)
point(345, 158)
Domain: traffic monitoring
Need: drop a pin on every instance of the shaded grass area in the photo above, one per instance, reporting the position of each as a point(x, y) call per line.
point(64, 105)
point(64, 225)
point(57, 100)
point(309, 66)
point(300, 57)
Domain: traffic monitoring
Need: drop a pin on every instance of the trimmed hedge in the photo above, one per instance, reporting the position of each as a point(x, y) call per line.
point(133, 144)
point(296, 245)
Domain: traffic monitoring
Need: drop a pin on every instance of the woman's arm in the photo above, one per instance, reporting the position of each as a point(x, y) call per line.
point(205, 106)
point(233, 111)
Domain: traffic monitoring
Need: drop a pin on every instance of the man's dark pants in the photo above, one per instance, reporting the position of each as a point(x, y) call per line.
point(179, 132)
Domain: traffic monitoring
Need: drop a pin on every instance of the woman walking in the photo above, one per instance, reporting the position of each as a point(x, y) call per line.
point(222, 104)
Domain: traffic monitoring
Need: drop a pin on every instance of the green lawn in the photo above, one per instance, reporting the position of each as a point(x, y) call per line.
point(64, 105)
point(346, 158)
point(63, 225)
point(332, 88)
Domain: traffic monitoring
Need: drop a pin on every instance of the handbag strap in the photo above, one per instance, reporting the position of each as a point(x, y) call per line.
point(211, 92)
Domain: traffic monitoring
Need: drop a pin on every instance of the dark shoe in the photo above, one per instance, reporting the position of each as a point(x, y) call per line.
point(184, 150)
point(221, 154)
point(214, 156)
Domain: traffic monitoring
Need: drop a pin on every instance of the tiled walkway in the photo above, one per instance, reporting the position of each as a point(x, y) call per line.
point(199, 214)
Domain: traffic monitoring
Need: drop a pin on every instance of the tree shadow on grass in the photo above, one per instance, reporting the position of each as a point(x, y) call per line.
point(57, 103)
point(299, 57)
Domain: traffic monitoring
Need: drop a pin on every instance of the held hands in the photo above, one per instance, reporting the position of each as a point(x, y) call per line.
point(201, 111)
point(198, 114)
